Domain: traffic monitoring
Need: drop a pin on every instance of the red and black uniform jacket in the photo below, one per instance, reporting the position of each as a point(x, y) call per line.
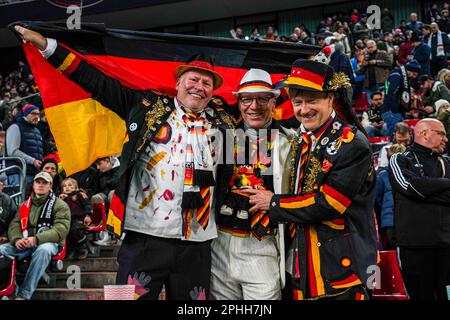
point(331, 220)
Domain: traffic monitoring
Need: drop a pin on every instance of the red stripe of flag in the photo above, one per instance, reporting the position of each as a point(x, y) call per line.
point(297, 198)
point(336, 195)
point(305, 74)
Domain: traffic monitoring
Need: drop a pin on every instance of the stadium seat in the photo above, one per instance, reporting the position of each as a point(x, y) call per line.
point(98, 218)
point(411, 123)
point(361, 104)
point(392, 286)
point(381, 139)
point(9, 289)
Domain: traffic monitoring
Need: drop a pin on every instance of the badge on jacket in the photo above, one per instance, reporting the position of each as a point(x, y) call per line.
point(133, 126)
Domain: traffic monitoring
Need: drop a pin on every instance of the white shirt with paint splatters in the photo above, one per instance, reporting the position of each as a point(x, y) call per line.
point(154, 201)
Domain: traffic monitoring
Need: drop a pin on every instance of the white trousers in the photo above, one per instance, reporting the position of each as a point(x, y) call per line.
point(244, 268)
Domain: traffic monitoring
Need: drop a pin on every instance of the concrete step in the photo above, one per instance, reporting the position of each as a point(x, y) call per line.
point(101, 251)
point(68, 294)
point(86, 279)
point(75, 294)
point(103, 264)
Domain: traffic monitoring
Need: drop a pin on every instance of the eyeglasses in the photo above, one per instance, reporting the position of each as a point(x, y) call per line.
point(262, 101)
point(439, 132)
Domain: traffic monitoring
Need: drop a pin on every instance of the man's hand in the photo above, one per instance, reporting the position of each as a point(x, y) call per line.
point(87, 221)
point(21, 244)
point(35, 38)
point(3, 240)
point(429, 109)
point(30, 242)
point(37, 163)
point(260, 199)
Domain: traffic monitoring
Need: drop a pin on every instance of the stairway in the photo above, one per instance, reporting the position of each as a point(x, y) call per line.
point(97, 270)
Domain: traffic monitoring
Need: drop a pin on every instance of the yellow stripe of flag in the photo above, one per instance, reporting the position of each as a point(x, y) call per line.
point(67, 62)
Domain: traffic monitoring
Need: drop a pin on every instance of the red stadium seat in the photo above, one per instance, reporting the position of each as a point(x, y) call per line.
point(379, 139)
point(392, 286)
point(98, 218)
point(9, 289)
point(411, 123)
point(361, 104)
point(61, 255)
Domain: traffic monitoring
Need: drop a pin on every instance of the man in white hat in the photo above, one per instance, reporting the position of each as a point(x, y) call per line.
point(246, 263)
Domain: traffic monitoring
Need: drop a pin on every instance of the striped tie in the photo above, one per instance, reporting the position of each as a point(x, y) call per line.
point(304, 156)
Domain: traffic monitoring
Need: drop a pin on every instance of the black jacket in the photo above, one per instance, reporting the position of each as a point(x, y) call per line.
point(421, 198)
point(8, 209)
point(335, 239)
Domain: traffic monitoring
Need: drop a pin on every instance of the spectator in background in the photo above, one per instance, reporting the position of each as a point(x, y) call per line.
point(270, 34)
point(443, 115)
point(304, 38)
point(420, 179)
point(39, 236)
point(3, 176)
point(397, 100)
point(376, 67)
point(341, 63)
point(47, 136)
point(321, 41)
point(8, 209)
point(359, 77)
point(406, 49)
point(5, 110)
point(24, 140)
point(421, 53)
point(293, 38)
point(384, 201)
point(81, 212)
point(372, 121)
point(426, 31)
point(255, 34)
point(402, 135)
point(440, 44)
point(444, 22)
point(433, 13)
point(414, 24)
point(341, 37)
point(398, 37)
point(238, 34)
point(444, 77)
point(361, 29)
point(387, 21)
point(106, 179)
point(402, 28)
point(432, 91)
point(387, 45)
point(50, 166)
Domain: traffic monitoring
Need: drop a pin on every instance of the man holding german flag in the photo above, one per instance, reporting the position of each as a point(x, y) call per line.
point(167, 191)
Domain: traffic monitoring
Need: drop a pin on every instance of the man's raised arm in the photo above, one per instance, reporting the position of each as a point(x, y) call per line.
point(108, 91)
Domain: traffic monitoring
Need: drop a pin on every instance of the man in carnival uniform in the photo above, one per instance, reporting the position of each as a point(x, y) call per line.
point(329, 207)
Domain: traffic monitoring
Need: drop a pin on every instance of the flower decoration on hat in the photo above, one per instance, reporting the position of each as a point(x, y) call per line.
point(339, 80)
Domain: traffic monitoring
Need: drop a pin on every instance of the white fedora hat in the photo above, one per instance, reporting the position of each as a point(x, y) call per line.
point(256, 80)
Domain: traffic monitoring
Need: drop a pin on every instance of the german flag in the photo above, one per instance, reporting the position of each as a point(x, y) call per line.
point(85, 130)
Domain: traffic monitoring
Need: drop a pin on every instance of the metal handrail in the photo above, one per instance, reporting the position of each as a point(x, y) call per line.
point(22, 176)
